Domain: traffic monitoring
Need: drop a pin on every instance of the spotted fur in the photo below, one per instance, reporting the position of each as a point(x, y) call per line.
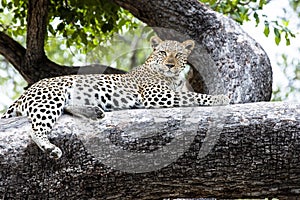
point(155, 84)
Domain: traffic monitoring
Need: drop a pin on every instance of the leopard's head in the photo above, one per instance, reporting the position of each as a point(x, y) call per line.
point(169, 57)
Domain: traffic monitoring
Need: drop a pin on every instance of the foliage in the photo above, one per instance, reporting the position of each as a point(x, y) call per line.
point(241, 10)
point(280, 30)
point(81, 23)
point(87, 23)
point(13, 18)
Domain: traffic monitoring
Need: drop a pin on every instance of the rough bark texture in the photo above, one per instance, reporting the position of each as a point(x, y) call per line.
point(229, 61)
point(247, 150)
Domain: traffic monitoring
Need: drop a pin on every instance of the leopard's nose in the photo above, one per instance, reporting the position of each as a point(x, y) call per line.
point(170, 65)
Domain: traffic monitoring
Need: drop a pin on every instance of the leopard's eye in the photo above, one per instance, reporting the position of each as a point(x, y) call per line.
point(163, 53)
point(178, 55)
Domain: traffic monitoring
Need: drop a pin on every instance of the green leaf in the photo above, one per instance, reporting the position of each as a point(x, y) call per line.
point(267, 29)
point(287, 39)
point(285, 22)
point(3, 3)
point(261, 4)
point(83, 38)
point(10, 5)
point(68, 43)
point(74, 35)
point(107, 27)
point(51, 29)
point(255, 15)
point(292, 34)
point(277, 32)
point(287, 42)
point(61, 26)
point(277, 36)
point(16, 3)
point(277, 40)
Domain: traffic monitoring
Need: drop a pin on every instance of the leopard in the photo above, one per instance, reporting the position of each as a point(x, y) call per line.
point(158, 83)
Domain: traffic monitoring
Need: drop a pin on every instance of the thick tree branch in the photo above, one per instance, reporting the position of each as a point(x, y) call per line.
point(12, 51)
point(237, 151)
point(172, 14)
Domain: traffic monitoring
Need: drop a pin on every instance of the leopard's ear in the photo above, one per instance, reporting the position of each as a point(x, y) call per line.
point(189, 44)
point(155, 41)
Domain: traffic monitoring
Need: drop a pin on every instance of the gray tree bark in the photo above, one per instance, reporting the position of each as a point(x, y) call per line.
point(237, 151)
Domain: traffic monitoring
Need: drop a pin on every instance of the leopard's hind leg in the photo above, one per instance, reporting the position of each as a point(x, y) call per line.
point(41, 139)
point(43, 117)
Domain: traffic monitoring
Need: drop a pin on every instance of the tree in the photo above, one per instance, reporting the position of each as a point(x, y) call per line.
point(226, 61)
point(249, 151)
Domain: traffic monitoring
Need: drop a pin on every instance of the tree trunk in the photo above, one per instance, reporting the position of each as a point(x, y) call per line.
point(237, 151)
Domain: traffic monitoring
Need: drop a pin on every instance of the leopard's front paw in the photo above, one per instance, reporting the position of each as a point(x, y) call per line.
point(98, 113)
